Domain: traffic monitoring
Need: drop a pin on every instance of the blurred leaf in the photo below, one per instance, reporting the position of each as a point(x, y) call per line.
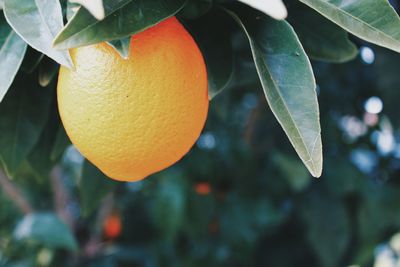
point(37, 22)
point(121, 46)
point(244, 220)
point(31, 60)
point(23, 114)
point(372, 20)
point(40, 156)
point(93, 187)
point(122, 18)
point(327, 42)
point(342, 178)
point(328, 227)
point(292, 170)
point(61, 143)
point(211, 33)
point(288, 81)
point(48, 70)
point(169, 204)
point(95, 7)
point(194, 9)
point(274, 8)
point(12, 51)
point(378, 211)
point(47, 229)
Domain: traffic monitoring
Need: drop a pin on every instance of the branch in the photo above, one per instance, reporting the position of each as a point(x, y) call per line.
point(14, 194)
point(94, 245)
point(61, 196)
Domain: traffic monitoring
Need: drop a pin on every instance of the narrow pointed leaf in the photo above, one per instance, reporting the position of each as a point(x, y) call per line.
point(23, 115)
point(212, 34)
point(122, 18)
point(327, 42)
point(288, 82)
point(12, 51)
point(93, 187)
point(372, 20)
point(38, 22)
point(194, 9)
point(274, 8)
point(95, 7)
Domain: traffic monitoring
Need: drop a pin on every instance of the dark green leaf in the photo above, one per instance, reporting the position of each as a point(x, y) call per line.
point(61, 143)
point(122, 18)
point(31, 60)
point(169, 204)
point(292, 170)
point(328, 228)
point(40, 156)
point(372, 20)
point(47, 229)
point(38, 22)
point(244, 219)
point(122, 46)
point(212, 34)
point(327, 42)
point(93, 187)
point(195, 8)
point(23, 114)
point(287, 78)
point(12, 51)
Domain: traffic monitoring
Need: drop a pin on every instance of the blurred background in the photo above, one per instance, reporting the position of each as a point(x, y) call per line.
point(241, 197)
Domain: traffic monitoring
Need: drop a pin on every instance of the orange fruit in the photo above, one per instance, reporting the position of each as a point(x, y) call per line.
point(112, 226)
point(134, 117)
point(202, 188)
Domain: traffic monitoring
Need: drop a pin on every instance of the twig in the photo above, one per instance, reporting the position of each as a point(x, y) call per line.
point(94, 245)
point(252, 121)
point(14, 194)
point(61, 197)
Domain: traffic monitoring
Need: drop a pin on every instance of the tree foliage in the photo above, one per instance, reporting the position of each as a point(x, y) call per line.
point(241, 197)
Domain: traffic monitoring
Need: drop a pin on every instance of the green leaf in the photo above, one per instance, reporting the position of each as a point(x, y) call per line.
point(212, 34)
point(292, 170)
point(12, 51)
point(122, 18)
point(61, 143)
point(93, 187)
point(195, 9)
point(71, 9)
point(169, 204)
point(38, 22)
point(274, 8)
point(372, 20)
point(121, 46)
point(288, 82)
point(23, 114)
point(47, 229)
point(327, 42)
point(95, 7)
point(328, 227)
point(31, 60)
point(40, 156)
